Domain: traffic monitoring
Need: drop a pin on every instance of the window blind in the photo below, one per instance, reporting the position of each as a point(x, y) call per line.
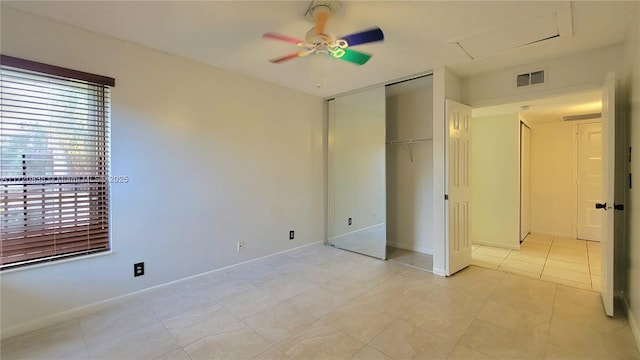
point(54, 166)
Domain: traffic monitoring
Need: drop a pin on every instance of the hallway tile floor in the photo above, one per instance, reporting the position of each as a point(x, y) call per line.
point(563, 261)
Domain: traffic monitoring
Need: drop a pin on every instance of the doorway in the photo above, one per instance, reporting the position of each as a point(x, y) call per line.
point(555, 249)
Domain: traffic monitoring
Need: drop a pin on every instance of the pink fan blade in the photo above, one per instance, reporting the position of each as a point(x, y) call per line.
point(285, 58)
point(284, 38)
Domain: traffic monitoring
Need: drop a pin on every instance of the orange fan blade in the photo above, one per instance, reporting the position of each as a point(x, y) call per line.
point(286, 58)
point(321, 21)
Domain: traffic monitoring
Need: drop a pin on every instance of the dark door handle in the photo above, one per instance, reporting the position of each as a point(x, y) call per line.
point(601, 206)
point(618, 206)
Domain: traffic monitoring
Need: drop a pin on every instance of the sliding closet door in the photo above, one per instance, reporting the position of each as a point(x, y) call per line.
point(356, 164)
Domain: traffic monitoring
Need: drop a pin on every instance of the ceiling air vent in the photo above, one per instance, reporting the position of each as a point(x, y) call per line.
point(582, 117)
point(530, 78)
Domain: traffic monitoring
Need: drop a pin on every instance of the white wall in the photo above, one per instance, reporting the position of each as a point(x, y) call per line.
point(446, 85)
point(410, 184)
point(495, 181)
point(631, 82)
point(552, 179)
point(212, 157)
point(575, 72)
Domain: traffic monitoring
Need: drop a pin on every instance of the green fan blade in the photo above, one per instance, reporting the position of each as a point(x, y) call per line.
point(354, 56)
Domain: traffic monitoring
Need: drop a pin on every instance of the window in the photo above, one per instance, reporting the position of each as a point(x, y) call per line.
point(54, 162)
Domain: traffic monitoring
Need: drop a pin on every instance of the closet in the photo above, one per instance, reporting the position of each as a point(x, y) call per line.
point(409, 172)
point(380, 161)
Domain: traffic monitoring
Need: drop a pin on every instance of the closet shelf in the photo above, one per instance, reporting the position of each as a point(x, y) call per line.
point(408, 141)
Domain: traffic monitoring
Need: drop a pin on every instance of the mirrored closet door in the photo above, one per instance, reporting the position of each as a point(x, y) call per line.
point(356, 173)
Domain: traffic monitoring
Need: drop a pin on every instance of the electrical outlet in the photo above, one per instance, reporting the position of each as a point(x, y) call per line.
point(291, 234)
point(350, 221)
point(240, 246)
point(138, 269)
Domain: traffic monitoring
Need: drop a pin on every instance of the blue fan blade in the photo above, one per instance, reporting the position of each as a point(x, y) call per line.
point(364, 37)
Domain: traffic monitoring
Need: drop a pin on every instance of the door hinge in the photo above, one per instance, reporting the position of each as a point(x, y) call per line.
point(446, 196)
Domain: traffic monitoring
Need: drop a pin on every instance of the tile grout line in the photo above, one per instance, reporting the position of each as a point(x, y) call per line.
point(171, 334)
point(489, 265)
point(553, 308)
point(84, 338)
point(547, 257)
point(505, 258)
point(475, 317)
point(589, 266)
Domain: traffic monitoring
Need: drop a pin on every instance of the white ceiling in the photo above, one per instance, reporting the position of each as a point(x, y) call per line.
point(419, 35)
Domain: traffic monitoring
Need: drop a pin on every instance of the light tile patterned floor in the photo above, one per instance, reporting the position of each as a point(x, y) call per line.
point(323, 303)
point(411, 258)
point(559, 260)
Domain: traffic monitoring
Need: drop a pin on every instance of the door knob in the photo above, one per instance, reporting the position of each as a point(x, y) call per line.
point(601, 206)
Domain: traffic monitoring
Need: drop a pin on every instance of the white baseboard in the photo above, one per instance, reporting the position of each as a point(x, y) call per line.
point(635, 330)
point(560, 235)
point(439, 272)
point(410, 247)
point(75, 313)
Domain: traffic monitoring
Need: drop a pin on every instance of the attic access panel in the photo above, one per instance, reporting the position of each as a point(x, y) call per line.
point(508, 36)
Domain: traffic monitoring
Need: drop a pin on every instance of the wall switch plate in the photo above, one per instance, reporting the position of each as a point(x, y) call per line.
point(240, 246)
point(291, 234)
point(138, 269)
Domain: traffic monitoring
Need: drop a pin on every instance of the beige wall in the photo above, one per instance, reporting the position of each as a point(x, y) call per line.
point(631, 83)
point(213, 158)
point(495, 181)
point(552, 179)
point(576, 72)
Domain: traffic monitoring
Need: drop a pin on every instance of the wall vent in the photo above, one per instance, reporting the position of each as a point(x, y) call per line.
point(582, 117)
point(530, 78)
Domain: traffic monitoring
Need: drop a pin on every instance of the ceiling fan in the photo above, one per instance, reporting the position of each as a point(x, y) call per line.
point(317, 42)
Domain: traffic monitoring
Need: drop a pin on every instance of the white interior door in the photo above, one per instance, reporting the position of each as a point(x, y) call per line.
point(525, 190)
point(458, 162)
point(608, 177)
point(589, 181)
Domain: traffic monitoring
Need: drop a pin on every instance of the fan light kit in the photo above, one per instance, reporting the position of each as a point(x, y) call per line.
point(317, 42)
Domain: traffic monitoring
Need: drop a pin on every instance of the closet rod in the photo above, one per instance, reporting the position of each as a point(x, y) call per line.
point(407, 141)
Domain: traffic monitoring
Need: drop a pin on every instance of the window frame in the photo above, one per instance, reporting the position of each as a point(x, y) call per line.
point(102, 83)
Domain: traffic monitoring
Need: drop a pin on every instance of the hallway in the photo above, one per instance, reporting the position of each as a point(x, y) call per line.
point(562, 261)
